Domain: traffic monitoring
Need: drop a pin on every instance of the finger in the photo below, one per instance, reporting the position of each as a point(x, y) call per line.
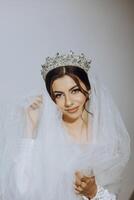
point(78, 175)
point(39, 100)
point(83, 184)
point(87, 179)
point(77, 192)
point(77, 182)
point(38, 103)
point(76, 188)
point(31, 107)
point(79, 189)
point(78, 178)
point(40, 97)
point(34, 105)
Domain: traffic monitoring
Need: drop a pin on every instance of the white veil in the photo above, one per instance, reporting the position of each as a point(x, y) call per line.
point(43, 168)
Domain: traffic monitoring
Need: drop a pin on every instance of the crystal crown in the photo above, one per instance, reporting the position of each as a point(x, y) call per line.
point(70, 59)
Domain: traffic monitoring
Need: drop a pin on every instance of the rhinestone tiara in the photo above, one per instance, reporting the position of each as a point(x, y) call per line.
point(70, 59)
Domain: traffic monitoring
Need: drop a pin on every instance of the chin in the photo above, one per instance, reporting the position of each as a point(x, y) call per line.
point(73, 115)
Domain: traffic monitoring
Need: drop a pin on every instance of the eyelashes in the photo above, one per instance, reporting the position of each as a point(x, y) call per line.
point(58, 96)
point(74, 91)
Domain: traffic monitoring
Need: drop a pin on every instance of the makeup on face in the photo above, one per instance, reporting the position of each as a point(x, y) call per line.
point(72, 110)
point(68, 96)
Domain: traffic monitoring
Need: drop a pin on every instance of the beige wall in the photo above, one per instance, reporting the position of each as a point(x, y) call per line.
point(102, 29)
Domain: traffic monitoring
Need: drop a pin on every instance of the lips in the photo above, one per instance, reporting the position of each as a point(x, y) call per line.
point(73, 109)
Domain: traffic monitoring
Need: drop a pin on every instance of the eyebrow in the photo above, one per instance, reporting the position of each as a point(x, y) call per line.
point(69, 89)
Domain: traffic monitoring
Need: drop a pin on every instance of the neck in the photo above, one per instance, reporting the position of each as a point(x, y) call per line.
point(78, 128)
point(77, 122)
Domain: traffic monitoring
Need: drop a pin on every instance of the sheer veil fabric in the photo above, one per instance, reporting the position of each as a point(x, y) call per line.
point(43, 167)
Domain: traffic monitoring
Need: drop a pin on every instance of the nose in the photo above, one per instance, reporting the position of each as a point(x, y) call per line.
point(68, 101)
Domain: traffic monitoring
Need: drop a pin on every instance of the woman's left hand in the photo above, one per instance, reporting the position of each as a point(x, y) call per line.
point(85, 185)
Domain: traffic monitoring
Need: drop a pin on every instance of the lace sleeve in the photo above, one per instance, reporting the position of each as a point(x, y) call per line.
point(16, 149)
point(102, 194)
point(22, 165)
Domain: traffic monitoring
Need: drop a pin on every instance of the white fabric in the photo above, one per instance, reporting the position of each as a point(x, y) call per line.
point(43, 168)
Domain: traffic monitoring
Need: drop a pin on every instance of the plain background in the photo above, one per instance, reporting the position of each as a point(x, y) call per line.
point(30, 30)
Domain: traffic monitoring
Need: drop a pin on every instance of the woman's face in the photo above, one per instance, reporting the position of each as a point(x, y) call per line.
point(68, 97)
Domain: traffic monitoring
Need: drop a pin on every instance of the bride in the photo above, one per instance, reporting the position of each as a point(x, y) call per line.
point(71, 142)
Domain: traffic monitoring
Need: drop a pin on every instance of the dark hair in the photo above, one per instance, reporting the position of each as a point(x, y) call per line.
point(74, 72)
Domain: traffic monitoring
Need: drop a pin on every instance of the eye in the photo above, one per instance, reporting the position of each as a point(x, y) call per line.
point(57, 96)
point(75, 91)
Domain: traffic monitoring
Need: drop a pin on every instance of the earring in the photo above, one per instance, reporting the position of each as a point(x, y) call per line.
point(89, 95)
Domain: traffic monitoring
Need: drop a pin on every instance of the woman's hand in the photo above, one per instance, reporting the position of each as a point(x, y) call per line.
point(32, 113)
point(85, 185)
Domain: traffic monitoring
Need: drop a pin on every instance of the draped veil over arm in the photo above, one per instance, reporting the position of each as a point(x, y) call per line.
point(43, 167)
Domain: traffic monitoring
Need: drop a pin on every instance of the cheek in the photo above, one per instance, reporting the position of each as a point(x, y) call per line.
point(80, 99)
point(59, 103)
